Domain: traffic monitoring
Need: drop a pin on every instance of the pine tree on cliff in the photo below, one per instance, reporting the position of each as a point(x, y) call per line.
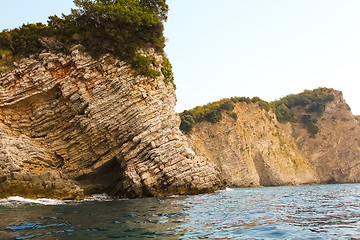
point(118, 27)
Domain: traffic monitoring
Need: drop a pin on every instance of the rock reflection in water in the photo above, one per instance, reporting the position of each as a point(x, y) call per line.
point(133, 219)
point(307, 212)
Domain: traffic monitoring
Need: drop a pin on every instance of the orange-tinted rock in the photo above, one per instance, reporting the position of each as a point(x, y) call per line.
point(71, 126)
point(257, 150)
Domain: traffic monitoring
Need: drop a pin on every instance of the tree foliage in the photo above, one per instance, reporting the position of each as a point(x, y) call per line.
point(212, 112)
point(232, 114)
point(167, 72)
point(313, 101)
point(284, 114)
point(118, 27)
point(309, 123)
point(187, 122)
point(305, 108)
point(24, 40)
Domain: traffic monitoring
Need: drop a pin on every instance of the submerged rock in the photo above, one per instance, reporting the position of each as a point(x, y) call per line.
point(71, 126)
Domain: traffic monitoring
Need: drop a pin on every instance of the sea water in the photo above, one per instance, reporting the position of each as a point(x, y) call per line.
point(305, 212)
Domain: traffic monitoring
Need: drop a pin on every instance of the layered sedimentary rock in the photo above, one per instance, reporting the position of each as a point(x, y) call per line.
point(335, 151)
point(253, 150)
point(71, 126)
point(257, 150)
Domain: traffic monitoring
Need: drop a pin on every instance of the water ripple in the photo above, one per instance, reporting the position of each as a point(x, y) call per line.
point(307, 212)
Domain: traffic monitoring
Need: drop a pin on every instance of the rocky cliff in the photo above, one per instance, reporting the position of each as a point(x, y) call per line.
point(335, 151)
point(71, 126)
point(255, 149)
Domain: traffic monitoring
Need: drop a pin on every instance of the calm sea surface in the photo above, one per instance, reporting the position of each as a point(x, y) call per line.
point(307, 212)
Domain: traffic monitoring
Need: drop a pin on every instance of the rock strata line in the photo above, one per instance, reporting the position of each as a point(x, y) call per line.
point(72, 126)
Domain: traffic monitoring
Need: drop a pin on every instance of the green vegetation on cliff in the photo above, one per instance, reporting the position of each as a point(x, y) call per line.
point(309, 101)
point(118, 27)
point(212, 112)
point(357, 118)
point(304, 108)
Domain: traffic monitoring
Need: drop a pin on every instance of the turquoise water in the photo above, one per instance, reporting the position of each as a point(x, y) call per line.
point(306, 212)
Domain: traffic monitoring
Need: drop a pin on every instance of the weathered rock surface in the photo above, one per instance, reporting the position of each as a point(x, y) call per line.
point(257, 150)
point(335, 152)
point(71, 126)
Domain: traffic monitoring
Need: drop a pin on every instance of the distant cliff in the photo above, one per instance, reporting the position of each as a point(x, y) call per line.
point(319, 144)
point(71, 126)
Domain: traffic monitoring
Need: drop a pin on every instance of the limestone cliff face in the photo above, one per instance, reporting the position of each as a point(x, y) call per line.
point(257, 150)
point(335, 152)
point(71, 126)
point(253, 150)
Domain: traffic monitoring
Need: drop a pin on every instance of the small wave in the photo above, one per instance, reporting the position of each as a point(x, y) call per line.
point(174, 196)
point(226, 190)
point(30, 225)
point(15, 200)
point(99, 198)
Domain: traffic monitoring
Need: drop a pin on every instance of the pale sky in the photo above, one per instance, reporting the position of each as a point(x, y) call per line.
point(265, 48)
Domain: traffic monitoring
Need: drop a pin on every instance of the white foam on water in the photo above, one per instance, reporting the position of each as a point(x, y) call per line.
point(15, 200)
point(175, 196)
point(99, 198)
point(227, 189)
